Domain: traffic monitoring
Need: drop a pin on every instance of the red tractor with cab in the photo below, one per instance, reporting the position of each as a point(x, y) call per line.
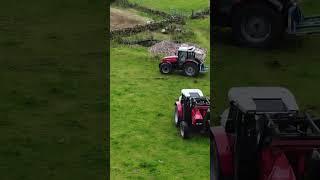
point(189, 60)
point(264, 136)
point(192, 112)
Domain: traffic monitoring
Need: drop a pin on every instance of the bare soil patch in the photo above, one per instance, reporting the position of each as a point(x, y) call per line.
point(120, 18)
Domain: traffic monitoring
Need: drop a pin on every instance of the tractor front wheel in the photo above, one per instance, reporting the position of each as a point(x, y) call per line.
point(257, 25)
point(184, 130)
point(165, 68)
point(191, 69)
point(176, 117)
point(215, 171)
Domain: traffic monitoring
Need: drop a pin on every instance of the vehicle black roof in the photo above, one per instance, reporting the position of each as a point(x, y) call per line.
point(263, 99)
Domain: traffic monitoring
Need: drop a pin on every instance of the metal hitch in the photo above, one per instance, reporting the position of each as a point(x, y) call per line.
point(300, 25)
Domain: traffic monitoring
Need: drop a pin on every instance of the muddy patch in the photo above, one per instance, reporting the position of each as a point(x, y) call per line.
point(120, 18)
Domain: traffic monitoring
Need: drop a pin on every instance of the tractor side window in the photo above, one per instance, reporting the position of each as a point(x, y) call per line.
point(232, 117)
point(182, 98)
point(190, 55)
point(232, 113)
point(183, 56)
point(251, 124)
point(238, 121)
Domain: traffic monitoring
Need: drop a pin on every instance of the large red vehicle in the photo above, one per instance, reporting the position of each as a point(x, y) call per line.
point(264, 136)
point(260, 23)
point(192, 112)
point(189, 60)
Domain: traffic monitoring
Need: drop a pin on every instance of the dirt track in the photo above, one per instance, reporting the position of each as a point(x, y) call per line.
point(125, 18)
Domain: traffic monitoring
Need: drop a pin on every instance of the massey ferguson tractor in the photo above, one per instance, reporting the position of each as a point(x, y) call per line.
point(260, 23)
point(189, 60)
point(192, 112)
point(264, 136)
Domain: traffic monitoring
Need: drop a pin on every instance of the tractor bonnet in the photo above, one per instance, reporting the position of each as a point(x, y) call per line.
point(263, 99)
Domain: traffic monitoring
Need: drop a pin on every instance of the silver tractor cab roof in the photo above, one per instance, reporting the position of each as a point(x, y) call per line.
point(263, 99)
point(187, 48)
point(197, 93)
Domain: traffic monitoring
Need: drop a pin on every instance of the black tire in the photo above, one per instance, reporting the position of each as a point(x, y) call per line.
point(165, 68)
point(215, 170)
point(257, 25)
point(312, 170)
point(176, 119)
point(191, 69)
point(184, 130)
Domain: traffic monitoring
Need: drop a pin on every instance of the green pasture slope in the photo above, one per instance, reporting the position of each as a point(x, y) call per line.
point(52, 95)
point(144, 142)
point(293, 64)
point(178, 6)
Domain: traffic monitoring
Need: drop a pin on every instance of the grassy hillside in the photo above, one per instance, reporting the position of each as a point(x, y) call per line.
point(53, 81)
point(144, 142)
point(176, 6)
point(310, 7)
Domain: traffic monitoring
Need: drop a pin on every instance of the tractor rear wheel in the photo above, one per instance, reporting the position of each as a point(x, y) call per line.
point(191, 69)
point(312, 170)
point(184, 130)
point(176, 117)
point(165, 68)
point(215, 171)
point(257, 25)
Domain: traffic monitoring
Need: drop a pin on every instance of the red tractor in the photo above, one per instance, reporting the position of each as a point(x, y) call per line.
point(264, 136)
point(192, 112)
point(259, 23)
point(189, 60)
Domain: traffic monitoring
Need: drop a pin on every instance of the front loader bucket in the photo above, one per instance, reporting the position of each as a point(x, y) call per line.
point(300, 25)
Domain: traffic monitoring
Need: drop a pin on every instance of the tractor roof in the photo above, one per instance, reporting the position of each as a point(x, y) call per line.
point(192, 92)
point(187, 48)
point(263, 99)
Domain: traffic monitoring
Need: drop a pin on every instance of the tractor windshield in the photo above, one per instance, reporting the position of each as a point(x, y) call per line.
point(182, 55)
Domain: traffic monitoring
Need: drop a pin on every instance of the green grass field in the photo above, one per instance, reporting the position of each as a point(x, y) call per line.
point(176, 6)
point(53, 99)
point(310, 7)
point(144, 142)
point(293, 64)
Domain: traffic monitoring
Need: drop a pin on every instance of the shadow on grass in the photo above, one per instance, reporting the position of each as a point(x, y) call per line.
point(289, 43)
point(180, 73)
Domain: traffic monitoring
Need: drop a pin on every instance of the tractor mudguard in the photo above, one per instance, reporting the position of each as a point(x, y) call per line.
point(275, 166)
point(168, 62)
point(179, 107)
point(191, 60)
point(224, 150)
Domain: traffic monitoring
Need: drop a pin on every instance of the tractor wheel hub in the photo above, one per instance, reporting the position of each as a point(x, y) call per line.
point(256, 29)
point(190, 71)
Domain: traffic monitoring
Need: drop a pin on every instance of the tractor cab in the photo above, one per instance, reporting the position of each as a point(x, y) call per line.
point(267, 135)
point(244, 122)
point(251, 102)
point(185, 53)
